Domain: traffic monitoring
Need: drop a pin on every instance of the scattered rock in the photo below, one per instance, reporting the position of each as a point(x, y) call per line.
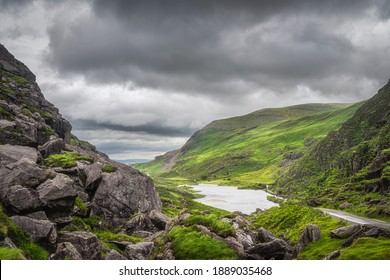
point(245, 238)
point(90, 176)
point(42, 232)
point(138, 223)
point(20, 199)
point(114, 255)
point(275, 249)
point(159, 219)
point(311, 233)
point(345, 205)
point(7, 125)
point(52, 147)
point(139, 251)
point(333, 255)
point(265, 236)
point(344, 232)
point(87, 244)
point(66, 251)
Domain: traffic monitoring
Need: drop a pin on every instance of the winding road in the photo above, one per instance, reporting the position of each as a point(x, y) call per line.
point(352, 218)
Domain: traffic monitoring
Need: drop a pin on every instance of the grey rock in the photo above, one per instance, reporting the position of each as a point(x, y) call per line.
point(275, 249)
point(24, 172)
point(52, 147)
point(58, 192)
point(7, 243)
point(345, 205)
point(66, 251)
point(9, 63)
point(7, 125)
point(344, 232)
point(42, 232)
point(90, 176)
point(114, 255)
point(87, 244)
point(264, 235)
point(159, 219)
point(140, 222)
point(39, 215)
point(246, 238)
point(333, 255)
point(311, 233)
point(139, 251)
point(373, 232)
point(123, 193)
point(20, 199)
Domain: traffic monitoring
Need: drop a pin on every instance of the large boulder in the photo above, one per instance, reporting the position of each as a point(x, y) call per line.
point(58, 192)
point(264, 235)
point(42, 232)
point(114, 255)
point(245, 237)
point(139, 251)
point(66, 251)
point(123, 193)
point(87, 244)
point(19, 199)
point(276, 249)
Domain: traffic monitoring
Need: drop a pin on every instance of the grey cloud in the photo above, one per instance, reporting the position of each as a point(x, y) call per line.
point(150, 128)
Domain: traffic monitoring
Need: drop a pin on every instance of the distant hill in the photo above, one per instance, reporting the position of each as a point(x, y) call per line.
point(253, 149)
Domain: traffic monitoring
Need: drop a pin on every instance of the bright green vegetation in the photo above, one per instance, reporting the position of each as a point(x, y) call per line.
point(10, 254)
point(26, 112)
point(46, 131)
point(250, 150)
point(107, 236)
point(81, 205)
point(20, 81)
point(21, 239)
point(65, 160)
point(191, 244)
point(108, 168)
point(367, 249)
point(212, 222)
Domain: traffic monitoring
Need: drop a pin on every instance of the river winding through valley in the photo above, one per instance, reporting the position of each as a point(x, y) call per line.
point(233, 199)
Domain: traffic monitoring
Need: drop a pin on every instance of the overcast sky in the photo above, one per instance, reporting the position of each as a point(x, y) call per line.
point(137, 78)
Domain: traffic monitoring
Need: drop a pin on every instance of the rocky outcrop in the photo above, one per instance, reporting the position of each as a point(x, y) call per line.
point(277, 249)
point(311, 233)
point(45, 182)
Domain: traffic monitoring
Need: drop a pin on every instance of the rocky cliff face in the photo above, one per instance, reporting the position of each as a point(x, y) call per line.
point(49, 179)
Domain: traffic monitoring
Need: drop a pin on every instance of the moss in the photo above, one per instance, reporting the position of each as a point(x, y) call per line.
point(65, 160)
point(111, 236)
point(190, 244)
point(367, 249)
point(11, 254)
point(22, 82)
point(212, 222)
point(26, 112)
point(81, 205)
point(108, 168)
point(46, 131)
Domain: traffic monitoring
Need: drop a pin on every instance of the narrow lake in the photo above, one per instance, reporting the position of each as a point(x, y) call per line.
point(233, 199)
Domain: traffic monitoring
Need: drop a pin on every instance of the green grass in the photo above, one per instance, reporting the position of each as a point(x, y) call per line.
point(26, 112)
point(212, 222)
point(108, 168)
point(65, 160)
point(251, 149)
point(81, 205)
point(21, 239)
point(10, 254)
point(111, 236)
point(367, 249)
point(22, 82)
point(190, 244)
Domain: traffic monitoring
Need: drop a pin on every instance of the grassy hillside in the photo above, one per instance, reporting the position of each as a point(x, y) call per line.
point(253, 149)
point(350, 168)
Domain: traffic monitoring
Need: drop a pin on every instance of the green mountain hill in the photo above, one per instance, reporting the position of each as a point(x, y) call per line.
point(350, 168)
point(251, 150)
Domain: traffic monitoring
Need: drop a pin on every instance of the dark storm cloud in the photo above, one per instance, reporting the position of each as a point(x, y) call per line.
point(190, 46)
point(150, 128)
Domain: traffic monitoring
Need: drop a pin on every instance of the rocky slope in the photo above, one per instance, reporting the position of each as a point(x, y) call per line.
point(49, 180)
